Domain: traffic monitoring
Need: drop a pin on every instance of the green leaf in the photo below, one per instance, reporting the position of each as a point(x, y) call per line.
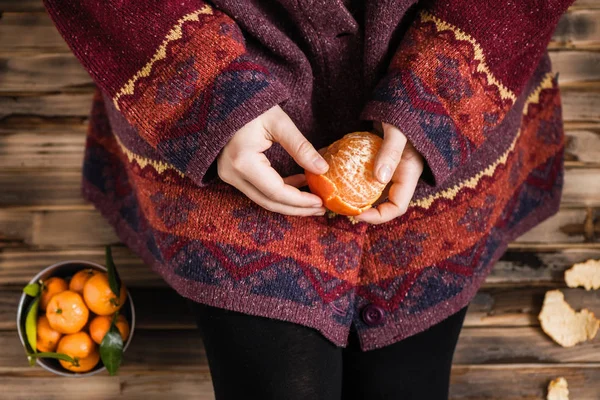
point(111, 349)
point(31, 324)
point(113, 276)
point(58, 356)
point(33, 289)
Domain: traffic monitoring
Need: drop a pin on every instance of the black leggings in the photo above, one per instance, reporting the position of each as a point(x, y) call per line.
point(253, 357)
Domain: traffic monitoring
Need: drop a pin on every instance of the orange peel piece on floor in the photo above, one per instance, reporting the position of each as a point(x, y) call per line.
point(349, 187)
point(586, 274)
point(558, 389)
point(563, 324)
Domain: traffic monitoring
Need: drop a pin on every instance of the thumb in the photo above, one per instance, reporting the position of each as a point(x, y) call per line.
point(284, 131)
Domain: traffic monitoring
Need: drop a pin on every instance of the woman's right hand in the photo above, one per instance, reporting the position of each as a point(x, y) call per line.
point(242, 164)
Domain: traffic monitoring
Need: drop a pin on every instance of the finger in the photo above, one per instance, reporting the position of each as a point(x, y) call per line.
point(256, 196)
point(284, 131)
point(298, 180)
point(271, 185)
point(405, 181)
point(390, 153)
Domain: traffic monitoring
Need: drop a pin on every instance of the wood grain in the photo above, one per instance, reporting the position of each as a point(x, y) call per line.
point(184, 348)
point(577, 105)
point(515, 268)
point(522, 381)
point(162, 308)
point(34, 32)
point(577, 29)
point(45, 187)
point(23, 73)
point(472, 382)
point(72, 228)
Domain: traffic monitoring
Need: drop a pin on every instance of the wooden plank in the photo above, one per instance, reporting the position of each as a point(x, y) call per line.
point(472, 382)
point(68, 228)
point(516, 268)
point(584, 4)
point(578, 105)
point(48, 105)
point(520, 306)
point(163, 308)
point(183, 348)
point(583, 145)
point(32, 32)
point(575, 66)
point(578, 29)
point(61, 150)
point(42, 73)
point(60, 188)
point(19, 265)
point(21, 5)
point(55, 143)
point(567, 226)
point(36, 5)
point(62, 71)
point(522, 381)
point(35, 32)
point(40, 187)
point(581, 187)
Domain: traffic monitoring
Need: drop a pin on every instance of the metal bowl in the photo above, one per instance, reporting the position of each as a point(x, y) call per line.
point(63, 270)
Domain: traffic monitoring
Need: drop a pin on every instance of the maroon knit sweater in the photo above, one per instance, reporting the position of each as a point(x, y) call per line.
point(467, 81)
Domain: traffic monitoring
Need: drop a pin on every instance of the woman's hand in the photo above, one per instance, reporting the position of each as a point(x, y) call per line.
point(399, 162)
point(243, 165)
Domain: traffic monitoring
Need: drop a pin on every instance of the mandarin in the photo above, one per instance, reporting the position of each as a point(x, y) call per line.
point(80, 278)
point(67, 313)
point(349, 187)
point(83, 364)
point(47, 338)
point(82, 349)
point(101, 324)
point(50, 287)
point(99, 297)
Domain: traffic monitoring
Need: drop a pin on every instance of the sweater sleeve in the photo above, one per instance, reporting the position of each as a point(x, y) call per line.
point(457, 72)
point(178, 71)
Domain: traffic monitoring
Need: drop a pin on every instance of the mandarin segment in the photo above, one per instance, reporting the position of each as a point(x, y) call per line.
point(67, 313)
point(349, 187)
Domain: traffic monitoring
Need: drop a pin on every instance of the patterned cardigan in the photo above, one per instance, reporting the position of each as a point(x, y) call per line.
point(468, 81)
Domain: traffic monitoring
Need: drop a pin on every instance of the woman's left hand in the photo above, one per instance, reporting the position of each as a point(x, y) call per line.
point(400, 164)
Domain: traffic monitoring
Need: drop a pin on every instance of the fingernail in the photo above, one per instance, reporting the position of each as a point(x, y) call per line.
point(321, 164)
point(384, 173)
point(317, 205)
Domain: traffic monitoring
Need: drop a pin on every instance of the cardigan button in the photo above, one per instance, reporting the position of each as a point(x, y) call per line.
point(372, 315)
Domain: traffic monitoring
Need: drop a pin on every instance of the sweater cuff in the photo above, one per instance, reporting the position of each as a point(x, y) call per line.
point(441, 94)
point(236, 98)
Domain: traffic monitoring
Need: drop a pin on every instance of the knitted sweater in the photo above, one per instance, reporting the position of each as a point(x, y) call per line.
point(467, 81)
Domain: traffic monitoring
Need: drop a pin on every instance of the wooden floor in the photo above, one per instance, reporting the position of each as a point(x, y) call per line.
point(502, 353)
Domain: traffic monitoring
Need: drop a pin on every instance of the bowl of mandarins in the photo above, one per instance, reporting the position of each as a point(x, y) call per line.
point(76, 318)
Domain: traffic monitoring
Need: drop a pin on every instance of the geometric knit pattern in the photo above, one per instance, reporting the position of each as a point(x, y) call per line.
point(494, 152)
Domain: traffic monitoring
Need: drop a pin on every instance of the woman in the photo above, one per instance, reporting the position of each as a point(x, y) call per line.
point(208, 112)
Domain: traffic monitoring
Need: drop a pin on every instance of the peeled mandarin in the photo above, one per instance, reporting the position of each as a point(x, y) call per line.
point(349, 187)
